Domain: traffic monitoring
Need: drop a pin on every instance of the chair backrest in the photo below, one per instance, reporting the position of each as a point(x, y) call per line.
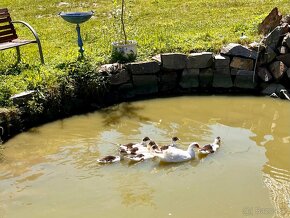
point(7, 31)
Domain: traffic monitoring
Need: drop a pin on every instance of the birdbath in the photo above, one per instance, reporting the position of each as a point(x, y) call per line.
point(77, 18)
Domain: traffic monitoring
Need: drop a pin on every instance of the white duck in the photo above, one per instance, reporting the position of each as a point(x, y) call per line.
point(177, 155)
point(211, 148)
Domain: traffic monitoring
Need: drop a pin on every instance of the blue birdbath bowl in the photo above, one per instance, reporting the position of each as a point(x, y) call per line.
point(77, 18)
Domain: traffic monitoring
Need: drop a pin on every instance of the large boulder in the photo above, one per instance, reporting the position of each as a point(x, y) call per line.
point(264, 74)
point(245, 79)
point(148, 67)
point(221, 62)
point(199, 60)
point(168, 81)
point(286, 40)
point(234, 49)
point(189, 78)
point(274, 38)
point(22, 98)
point(116, 73)
point(173, 61)
point(267, 56)
point(145, 84)
point(222, 78)
point(206, 77)
point(277, 68)
point(272, 88)
point(242, 63)
point(285, 59)
point(270, 22)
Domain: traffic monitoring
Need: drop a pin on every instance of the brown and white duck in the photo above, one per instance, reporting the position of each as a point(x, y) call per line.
point(127, 147)
point(110, 159)
point(172, 145)
point(210, 148)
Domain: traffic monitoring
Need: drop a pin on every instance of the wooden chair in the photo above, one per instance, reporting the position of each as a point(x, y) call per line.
point(9, 38)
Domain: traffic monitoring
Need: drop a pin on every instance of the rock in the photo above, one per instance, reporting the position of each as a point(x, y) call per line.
point(274, 37)
point(288, 73)
point(221, 61)
point(145, 84)
point(286, 19)
point(283, 49)
point(244, 79)
point(234, 49)
point(22, 98)
point(234, 71)
point(272, 88)
point(270, 22)
point(285, 59)
point(205, 77)
point(284, 94)
point(122, 76)
point(157, 58)
point(168, 81)
point(150, 67)
point(286, 40)
point(173, 61)
point(264, 74)
point(267, 56)
point(277, 68)
point(242, 63)
point(189, 78)
point(222, 78)
point(111, 68)
point(255, 46)
point(199, 60)
point(127, 91)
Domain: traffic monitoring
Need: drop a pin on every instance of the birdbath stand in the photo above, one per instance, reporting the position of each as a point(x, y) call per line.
point(77, 18)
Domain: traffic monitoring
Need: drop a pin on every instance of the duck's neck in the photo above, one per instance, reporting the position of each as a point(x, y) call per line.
point(191, 152)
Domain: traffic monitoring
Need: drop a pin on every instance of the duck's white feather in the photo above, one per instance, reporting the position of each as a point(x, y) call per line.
point(175, 155)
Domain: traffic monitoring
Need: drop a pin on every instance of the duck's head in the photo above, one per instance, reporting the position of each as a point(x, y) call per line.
point(217, 140)
point(193, 145)
point(152, 145)
point(175, 139)
point(146, 139)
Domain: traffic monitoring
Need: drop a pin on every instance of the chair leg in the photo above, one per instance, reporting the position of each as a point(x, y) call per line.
point(40, 52)
point(18, 54)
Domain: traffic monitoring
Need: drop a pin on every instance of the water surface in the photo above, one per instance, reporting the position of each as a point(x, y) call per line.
point(51, 171)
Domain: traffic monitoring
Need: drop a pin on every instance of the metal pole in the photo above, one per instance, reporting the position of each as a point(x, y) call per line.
point(80, 41)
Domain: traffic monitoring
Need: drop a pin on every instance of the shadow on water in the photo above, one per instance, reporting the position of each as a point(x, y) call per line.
point(115, 114)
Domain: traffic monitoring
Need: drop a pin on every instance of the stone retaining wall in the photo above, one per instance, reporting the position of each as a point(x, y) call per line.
point(262, 68)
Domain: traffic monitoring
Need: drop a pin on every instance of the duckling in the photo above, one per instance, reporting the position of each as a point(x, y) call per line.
point(173, 144)
point(129, 146)
point(109, 159)
point(211, 148)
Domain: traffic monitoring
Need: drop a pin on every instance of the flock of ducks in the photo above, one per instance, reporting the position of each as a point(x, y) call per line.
point(148, 149)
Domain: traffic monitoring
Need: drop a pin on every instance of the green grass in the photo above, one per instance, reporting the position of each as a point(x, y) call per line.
point(157, 25)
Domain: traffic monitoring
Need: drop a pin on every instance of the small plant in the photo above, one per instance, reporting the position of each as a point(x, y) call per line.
point(124, 50)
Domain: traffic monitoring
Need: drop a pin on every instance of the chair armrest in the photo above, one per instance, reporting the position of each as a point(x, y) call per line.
point(30, 28)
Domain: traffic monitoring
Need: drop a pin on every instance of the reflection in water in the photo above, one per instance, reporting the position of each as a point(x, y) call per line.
point(115, 114)
point(135, 191)
point(279, 193)
point(59, 159)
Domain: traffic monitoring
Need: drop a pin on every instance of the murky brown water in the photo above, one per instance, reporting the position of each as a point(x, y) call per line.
point(52, 171)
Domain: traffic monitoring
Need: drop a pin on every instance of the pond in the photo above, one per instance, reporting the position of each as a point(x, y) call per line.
point(51, 170)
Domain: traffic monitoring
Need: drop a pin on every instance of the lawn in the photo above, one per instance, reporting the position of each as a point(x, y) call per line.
point(157, 25)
